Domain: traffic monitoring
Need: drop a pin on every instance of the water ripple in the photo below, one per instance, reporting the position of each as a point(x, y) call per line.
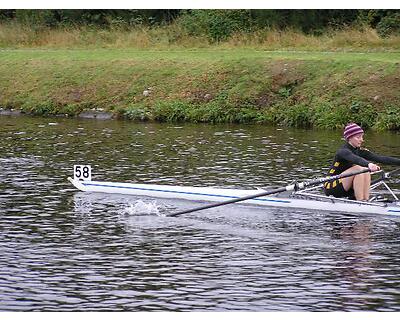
point(64, 250)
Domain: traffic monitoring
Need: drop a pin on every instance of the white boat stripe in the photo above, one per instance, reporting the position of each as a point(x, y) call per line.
point(181, 192)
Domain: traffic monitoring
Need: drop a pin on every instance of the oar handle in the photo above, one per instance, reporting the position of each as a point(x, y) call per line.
point(332, 178)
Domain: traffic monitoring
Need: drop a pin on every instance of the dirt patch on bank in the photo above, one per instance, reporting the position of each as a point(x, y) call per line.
point(380, 89)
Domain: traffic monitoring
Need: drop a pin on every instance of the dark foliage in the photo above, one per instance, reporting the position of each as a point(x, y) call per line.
point(215, 24)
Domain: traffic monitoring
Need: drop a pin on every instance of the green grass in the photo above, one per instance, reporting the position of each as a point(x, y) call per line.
point(294, 88)
point(192, 55)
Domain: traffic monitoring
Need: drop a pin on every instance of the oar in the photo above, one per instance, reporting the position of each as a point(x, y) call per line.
point(295, 186)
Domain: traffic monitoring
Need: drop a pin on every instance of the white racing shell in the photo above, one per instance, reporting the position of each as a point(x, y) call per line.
point(219, 194)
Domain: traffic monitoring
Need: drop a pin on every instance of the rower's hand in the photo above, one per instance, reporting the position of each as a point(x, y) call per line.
point(373, 167)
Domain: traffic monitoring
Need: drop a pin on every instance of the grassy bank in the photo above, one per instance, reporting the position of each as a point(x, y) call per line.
point(297, 88)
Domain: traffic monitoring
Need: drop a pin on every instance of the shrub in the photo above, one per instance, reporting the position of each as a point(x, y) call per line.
point(364, 115)
point(389, 119)
point(37, 18)
point(299, 115)
point(212, 112)
point(174, 111)
point(328, 116)
point(389, 25)
point(136, 112)
point(42, 109)
point(217, 25)
point(70, 109)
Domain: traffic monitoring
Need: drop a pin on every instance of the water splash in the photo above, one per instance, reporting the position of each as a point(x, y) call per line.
point(82, 206)
point(142, 208)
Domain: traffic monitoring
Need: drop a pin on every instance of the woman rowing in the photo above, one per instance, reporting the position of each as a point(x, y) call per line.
point(352, 157)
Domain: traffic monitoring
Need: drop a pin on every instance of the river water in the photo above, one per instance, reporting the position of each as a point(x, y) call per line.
point(64, 250)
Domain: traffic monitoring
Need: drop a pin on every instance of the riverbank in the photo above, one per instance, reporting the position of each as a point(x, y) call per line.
point(292, 88)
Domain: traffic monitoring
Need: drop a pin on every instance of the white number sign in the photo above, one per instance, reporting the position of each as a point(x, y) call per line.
point(82, 172)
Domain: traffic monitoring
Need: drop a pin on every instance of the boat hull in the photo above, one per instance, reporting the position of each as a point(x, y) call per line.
point(219, 195)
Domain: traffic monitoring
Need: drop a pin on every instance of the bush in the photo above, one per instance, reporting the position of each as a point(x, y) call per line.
point(328, 116)
point(389, 25)
point(37, 18)
point(218, 112)
point(211, 112)
point(364, 115)
point(217, 25)
point(138, 113)
point(69, 109)
point(41, 109)
point(299, 115)
point(389, 119)
point(170, 111)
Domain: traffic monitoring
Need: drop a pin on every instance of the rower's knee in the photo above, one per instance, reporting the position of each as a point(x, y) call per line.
point(360, 168)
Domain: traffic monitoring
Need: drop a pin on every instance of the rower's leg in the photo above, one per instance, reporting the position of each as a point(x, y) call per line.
point(367, 185)
point(360, 187)
point(360, 183)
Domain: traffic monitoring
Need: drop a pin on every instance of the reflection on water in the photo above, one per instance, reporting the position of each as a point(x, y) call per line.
point(67, 250)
